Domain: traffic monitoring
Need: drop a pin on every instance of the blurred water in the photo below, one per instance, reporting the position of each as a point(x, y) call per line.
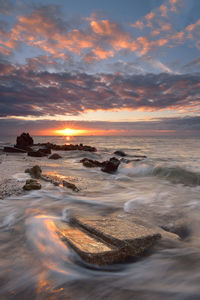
point(163, 190)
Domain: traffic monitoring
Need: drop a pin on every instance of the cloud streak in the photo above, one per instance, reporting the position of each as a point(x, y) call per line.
point(167, 126)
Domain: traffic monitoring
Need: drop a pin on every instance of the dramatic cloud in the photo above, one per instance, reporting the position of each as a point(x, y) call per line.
point(54, 64)
point(25, 92)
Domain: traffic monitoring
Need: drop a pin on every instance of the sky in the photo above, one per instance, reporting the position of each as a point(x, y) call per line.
point(108, 67)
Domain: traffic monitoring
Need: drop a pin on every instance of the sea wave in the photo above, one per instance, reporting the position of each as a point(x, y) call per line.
point(174, 174)
point(178, 175)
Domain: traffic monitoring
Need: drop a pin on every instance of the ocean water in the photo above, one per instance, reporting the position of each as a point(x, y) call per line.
point(163, 190)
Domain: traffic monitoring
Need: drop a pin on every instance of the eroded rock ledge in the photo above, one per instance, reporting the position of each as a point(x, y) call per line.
point(106, 240)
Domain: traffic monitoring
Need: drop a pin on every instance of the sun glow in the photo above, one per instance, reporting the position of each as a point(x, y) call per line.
point(70, 132)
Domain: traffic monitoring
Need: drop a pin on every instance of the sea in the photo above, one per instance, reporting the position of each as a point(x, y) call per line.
point(163, 189)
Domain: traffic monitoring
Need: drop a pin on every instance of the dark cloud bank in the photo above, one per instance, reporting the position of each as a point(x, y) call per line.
point(24, 92)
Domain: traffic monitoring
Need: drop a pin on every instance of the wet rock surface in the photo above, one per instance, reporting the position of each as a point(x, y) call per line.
point(70, 185)
point(32, 184)
point(57, 181)
point(55, 156)
point(105, 240)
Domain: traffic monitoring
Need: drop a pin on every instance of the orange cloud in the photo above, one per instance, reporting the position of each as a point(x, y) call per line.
point(163, 10)
point(4, 51)
point(102, 53)
point(100, 40)
point(104, 27)
point(150, 16)
point(138, 24)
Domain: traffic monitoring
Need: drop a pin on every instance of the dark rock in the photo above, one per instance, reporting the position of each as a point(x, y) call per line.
point(25, 148)
point(87, 148)
point(34, 171)
point(32, 184)
point(55, 156)
point(89, 163)
point(46, 151)
point(51, 180)
point(70, 186)
point(111, 165)
point(70, 147)
point(13, 150)
point(38, 153)
point(120, 153)
point(24, 140)
point(108, 166)
point(105, 240)
point(139, 156)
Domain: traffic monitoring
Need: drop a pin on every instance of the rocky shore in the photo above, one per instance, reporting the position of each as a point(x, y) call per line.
point(97, 239)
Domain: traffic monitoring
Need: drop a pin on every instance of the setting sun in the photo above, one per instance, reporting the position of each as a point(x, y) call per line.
point(70, 132)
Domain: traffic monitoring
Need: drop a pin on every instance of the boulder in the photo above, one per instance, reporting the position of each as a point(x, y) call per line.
point(106, 240)
point(24, 140)
point(35, 171)
point(120, 153)
point(32, 184)
point(110, 166)
point(55, 156)
point(13, 150)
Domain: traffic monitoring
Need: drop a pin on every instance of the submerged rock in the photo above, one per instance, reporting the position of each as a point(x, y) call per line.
point(127, 161)
point(24, 140)
point(120, 153)
point(55, 156)
point(106, 240)
point(32, 184)
point(38, 153)
point(70, 185)
point(13, 150)
point(57, 181)
point(140, 156)
point(46, 151)
point(35, 171)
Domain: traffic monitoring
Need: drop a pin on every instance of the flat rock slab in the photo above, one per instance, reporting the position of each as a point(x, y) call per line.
point(90, 249)
point(106, 240)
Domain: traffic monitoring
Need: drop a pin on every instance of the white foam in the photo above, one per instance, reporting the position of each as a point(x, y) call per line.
point(21, 176)
point(139, 170)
